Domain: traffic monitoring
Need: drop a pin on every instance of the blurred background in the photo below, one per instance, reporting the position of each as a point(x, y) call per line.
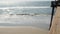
point(35, 13)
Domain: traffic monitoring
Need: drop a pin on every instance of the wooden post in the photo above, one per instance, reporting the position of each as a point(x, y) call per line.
point(55, 29)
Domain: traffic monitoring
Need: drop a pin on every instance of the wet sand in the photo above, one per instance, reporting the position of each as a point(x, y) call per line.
point(22, 30)
point(24, 24)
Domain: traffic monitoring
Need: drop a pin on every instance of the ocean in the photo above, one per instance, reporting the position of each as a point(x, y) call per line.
point(30, 13)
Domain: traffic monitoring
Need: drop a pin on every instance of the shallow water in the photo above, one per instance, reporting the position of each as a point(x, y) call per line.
point(39, 21)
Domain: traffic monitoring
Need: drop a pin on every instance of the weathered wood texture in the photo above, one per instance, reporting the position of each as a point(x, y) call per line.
point(55, 29)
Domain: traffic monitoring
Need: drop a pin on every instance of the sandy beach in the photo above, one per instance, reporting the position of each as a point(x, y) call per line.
point(22, 30)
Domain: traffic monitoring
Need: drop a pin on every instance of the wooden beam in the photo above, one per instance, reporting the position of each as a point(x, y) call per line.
point(55, 29)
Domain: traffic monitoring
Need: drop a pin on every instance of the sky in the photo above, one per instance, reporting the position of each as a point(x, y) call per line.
point(14, 1)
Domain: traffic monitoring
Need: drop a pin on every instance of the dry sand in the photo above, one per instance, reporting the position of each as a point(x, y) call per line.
point(22, 30)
